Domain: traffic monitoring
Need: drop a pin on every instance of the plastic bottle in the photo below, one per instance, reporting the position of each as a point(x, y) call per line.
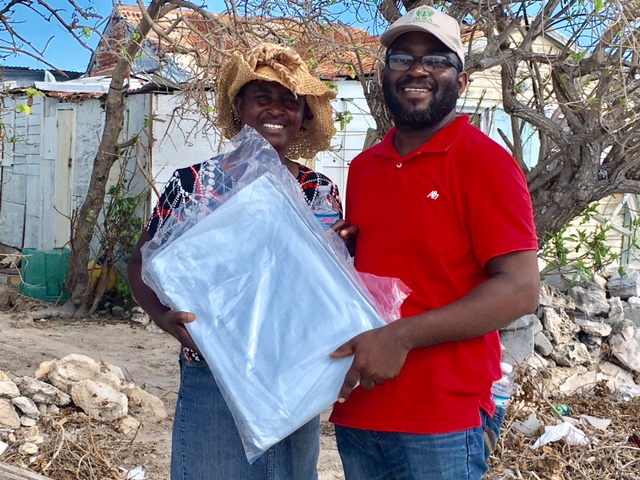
point(563, 409)
point(628, 392)
point(323, 207)
point(502, 389)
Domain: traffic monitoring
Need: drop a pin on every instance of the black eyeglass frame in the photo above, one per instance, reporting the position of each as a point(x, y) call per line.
point(451, 62)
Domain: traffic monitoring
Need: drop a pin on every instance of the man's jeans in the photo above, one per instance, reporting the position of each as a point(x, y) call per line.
point(373, 455)
point(206, 444)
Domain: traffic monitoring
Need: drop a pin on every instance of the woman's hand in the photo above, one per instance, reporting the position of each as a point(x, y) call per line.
point(173, 322)
point(349, 234)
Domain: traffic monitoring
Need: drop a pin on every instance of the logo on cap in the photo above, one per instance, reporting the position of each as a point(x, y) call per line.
point(424, 15)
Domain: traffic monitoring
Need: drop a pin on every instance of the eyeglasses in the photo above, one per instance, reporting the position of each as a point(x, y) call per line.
point(431, 63)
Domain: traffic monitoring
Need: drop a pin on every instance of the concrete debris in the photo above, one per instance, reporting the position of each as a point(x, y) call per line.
point(42, 392)
point(99, 400)
point(582, 334)
point(624, 286)
point(95, 388)
point(144, 405)
point(140, 316)
point(8, 416)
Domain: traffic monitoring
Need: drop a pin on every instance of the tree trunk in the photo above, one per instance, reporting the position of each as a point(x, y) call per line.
point(378, 108)
point(78, 279)
point(565, 196)
point(554, 209)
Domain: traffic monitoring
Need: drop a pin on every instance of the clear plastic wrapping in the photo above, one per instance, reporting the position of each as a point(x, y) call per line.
point(273, 293)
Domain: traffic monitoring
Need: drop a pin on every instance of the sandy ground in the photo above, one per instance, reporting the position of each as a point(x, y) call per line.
point(147, 358)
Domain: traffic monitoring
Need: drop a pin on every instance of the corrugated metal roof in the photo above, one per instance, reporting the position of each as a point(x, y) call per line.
point(10, 73)
point(83, 85)
point(95, 85)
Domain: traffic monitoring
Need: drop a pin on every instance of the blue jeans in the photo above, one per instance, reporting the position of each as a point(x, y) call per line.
point(373, 455)
point(207, 446)
point(492, 427)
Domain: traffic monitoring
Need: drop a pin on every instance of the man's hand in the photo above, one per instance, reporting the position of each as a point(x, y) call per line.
point(349, 233)
point(379, 355)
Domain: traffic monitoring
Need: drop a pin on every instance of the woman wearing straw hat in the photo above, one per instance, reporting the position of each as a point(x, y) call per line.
point(272, 91)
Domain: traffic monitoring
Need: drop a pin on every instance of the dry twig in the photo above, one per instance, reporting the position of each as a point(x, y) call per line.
point(609, 456)
point(76, 448)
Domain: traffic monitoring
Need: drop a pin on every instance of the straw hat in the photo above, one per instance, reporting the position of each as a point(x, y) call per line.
point(276, 63)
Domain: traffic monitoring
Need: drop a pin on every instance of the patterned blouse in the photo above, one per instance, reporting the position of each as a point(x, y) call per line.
point(188, 181)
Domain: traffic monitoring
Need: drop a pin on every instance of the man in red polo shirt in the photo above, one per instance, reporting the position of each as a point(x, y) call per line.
point(444, 208)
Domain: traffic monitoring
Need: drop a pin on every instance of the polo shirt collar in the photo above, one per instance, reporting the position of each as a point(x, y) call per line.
point(440, 142)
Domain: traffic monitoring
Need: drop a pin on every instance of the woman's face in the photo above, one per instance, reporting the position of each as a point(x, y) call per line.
point(273, 110)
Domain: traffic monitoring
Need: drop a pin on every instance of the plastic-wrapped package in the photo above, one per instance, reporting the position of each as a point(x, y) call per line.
point(273, 295)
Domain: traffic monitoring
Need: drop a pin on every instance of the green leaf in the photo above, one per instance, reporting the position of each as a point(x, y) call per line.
point(24, 108)
point(86, 32)
point(34, 92)
point(333, 86)
point(344, 118)
point(577, 56)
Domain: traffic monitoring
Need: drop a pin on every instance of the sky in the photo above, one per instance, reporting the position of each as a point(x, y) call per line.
point(62, 50)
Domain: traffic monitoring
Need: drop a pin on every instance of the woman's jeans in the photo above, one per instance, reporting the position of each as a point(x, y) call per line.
point(373, 455)
point(207, 446)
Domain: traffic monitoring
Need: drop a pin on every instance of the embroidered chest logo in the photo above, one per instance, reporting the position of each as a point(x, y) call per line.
point(433, 195)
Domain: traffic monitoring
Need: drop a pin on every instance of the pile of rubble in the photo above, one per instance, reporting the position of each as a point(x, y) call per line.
point(547, 435)
point(98, 391)
point(576, 411)
point(582, 334)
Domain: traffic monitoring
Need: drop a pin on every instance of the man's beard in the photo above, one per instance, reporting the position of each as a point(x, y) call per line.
point(443, 103)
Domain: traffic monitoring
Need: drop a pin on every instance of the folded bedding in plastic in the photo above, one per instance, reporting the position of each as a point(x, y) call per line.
point(272, 300)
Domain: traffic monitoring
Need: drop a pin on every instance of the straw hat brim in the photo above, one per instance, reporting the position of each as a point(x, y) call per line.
point(316, 133)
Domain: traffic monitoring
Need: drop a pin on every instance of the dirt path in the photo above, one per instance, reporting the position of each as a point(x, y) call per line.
point(149, 359)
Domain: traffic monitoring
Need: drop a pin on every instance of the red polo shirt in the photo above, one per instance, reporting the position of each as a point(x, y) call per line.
point(433, 219)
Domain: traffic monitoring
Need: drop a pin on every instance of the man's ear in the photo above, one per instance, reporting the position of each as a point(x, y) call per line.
point(463, 80)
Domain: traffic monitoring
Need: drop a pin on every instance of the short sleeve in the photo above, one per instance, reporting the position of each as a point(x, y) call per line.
point(172, 196)
point(500, 212)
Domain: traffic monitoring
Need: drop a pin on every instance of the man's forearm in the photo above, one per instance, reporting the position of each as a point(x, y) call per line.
point(508, 294)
